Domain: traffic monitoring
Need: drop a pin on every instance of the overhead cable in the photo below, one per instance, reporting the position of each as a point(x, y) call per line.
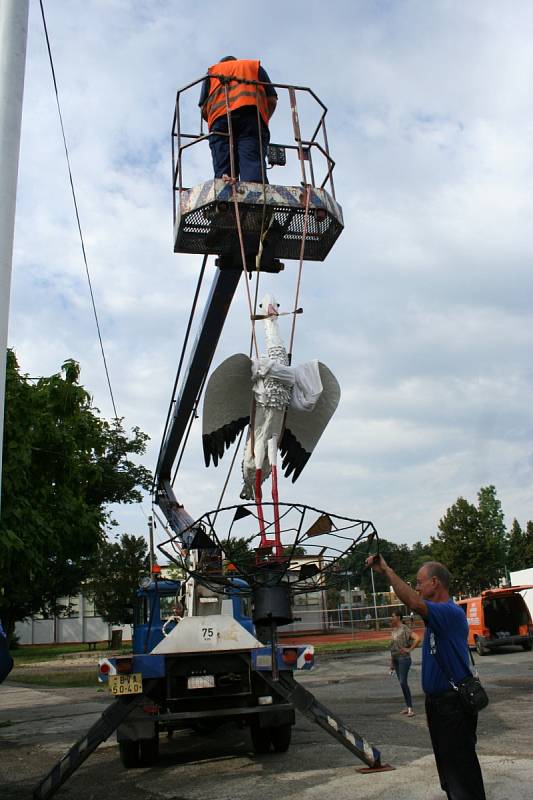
point(76, 210)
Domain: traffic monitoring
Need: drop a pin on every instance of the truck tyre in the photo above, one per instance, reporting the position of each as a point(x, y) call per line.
point(480, 647)
point(129, 753)
point(149, 751)
point(260, 739)
point(527, 645)
point(281, 737)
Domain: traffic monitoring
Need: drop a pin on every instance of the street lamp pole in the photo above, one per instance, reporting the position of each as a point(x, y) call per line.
point(348, 575)
point(374, 596)
point(13, 37)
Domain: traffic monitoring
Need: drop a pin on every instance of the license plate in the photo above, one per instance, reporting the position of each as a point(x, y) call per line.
point(201, 682)
point(126, 684)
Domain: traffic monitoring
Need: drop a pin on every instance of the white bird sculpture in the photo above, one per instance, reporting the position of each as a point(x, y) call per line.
point(286, 407)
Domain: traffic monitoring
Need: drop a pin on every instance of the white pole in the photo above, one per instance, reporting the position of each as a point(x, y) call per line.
point(375, 604)
point(151, 537)
point(13, 37)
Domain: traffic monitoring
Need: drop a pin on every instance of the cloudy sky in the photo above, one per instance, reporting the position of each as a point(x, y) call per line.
point(423, 308)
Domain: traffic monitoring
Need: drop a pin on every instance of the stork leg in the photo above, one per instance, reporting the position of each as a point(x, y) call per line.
point(259, 503)
point(273, 459)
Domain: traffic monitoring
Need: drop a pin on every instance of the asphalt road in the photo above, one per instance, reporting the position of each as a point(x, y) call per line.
point(38, 725)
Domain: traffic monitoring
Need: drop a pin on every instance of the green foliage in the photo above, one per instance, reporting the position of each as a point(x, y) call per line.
point(404, 560)
point(528, 547)
point(492, 533)
point(115, 577)
point(515, 547)
point(458, 546)
point(472, 542)
point(520, 547)
point(238, 551)
point(62, 464)
point(294, 552)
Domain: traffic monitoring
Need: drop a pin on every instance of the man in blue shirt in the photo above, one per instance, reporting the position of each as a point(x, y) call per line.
point(444, 659)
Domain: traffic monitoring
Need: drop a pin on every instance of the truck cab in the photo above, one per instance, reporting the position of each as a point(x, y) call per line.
point(155, 606)
point(158, 608)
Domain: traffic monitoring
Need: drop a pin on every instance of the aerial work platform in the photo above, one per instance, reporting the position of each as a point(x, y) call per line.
point(280, 221)
point(206, 221)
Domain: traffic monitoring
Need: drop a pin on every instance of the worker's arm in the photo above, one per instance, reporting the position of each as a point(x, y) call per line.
point(401, 589)
point(272, 103)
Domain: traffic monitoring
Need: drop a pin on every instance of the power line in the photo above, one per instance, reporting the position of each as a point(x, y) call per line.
point(76, 210)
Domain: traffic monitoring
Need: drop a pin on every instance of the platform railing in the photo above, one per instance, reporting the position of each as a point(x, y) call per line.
point(182, 141)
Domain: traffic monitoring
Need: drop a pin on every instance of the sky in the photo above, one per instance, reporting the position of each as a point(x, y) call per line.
point(423, 307)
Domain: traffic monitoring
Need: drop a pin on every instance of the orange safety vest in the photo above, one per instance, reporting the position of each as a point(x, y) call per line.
point(239, 94)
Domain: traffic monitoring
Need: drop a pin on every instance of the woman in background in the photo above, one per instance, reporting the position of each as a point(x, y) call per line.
point(402, 642)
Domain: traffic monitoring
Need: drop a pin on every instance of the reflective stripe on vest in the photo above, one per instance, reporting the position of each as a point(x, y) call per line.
point(239, 93)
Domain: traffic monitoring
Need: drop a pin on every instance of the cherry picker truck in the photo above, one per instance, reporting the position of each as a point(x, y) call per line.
point(216, 657)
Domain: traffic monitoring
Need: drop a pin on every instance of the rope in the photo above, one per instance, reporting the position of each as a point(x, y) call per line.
point(300, 269)
point(233, 182)
point(76, 211)
point(253, 342)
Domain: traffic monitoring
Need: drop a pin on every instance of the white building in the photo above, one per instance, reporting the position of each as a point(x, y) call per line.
point(524, 577)
point(79, 623)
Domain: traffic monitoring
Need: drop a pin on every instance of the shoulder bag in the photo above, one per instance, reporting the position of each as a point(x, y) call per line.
point(471, 693)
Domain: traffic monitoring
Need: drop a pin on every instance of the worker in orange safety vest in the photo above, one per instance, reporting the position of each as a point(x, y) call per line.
point(250, 105)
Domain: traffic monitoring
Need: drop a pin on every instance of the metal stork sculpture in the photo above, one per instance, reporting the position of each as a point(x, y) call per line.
point(286, 408)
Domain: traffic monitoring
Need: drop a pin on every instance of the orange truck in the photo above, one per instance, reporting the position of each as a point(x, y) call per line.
point(498, 618)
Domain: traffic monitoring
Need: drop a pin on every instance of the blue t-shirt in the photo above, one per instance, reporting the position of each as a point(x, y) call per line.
point(446, 634)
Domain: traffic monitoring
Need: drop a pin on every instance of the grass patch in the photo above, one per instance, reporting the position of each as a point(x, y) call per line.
point(64, 678)
point(361, 646)
point(47, 652)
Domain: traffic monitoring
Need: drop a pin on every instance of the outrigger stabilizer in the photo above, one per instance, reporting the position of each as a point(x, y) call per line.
point(285, 687)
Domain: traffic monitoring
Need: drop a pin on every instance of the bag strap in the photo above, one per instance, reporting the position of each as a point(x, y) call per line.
point(439, 662)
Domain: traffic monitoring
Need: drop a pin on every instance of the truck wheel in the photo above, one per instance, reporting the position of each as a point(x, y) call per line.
point(480, 648)
point(260, 739)
point(527, 645)
point(149, 751)
point(129, 753)
point(281, 737)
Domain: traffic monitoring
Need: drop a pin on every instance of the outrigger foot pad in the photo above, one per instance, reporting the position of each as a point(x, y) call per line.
point(382, 768)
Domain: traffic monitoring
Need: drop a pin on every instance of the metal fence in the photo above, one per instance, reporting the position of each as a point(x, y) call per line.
point(348, 619)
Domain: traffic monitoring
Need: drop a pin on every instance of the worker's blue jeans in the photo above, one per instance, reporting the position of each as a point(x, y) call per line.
point(402, 665)
point(246, 150)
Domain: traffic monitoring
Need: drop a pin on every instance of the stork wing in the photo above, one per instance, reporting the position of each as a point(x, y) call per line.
point(227, 402)
point(303, 429)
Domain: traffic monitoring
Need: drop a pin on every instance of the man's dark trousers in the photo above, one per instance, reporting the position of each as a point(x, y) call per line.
point(247, 148)
point(453, 736)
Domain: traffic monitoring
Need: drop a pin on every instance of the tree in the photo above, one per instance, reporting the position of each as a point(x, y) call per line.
point(238, 552)
point(515, 547)
point(520, 547)
point(458, 546)
point(493, 534)
point(471, 542)
point(115, 576)
point(62, 465)
point(528, 546)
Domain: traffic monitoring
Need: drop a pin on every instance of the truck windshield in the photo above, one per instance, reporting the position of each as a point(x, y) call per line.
point(166, 605)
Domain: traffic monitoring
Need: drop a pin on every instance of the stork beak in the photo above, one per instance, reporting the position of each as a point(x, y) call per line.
point(271, 311)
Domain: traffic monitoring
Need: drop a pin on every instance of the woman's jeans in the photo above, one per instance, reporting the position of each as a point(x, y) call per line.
point(402, 665)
